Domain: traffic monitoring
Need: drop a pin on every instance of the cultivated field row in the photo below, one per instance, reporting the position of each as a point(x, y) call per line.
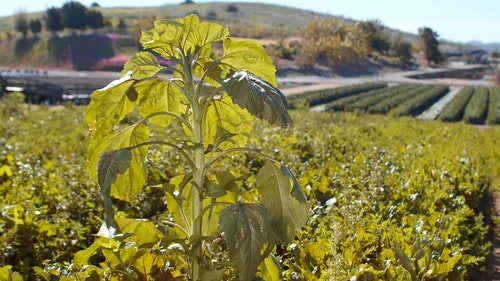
point(473, 105)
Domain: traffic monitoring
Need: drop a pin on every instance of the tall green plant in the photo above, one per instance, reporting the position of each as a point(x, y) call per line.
point(218, 223)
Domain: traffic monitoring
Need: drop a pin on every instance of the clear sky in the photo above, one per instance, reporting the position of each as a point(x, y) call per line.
point(454, 20)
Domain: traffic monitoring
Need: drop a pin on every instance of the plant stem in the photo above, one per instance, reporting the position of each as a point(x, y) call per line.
point(198, 176)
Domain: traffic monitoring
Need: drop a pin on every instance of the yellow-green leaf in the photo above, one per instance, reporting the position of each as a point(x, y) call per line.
point(186, 34)
point(143, 231)
point(5, 171)
point(7, 274)
point(110, 165)
point(159, 96)
point(250, 56)
point(257, 96)
point(142, 65)
point(223, 113)
point(270, 269)
point(249, 236)
point(287, 206)
point(109, 106)
point(130, 182)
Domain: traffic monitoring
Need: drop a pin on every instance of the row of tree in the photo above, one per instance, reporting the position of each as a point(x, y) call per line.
point(72, 15)
point(336, 43)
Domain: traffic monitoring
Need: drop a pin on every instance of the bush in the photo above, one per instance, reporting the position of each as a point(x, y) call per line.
point(475, 112)
point(454, 110)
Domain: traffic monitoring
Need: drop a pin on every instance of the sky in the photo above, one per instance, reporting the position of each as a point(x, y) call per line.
point(453, 20)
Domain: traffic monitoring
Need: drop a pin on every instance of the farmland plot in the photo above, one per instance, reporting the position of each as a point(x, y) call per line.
point(393, 199)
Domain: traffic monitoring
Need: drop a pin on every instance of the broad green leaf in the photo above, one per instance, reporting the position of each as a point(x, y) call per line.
point(288, 208)
point(223, 113)
point(205, 33)
point(111, 164)
point(249, 236)
point(250, 56)
point(142, 65)
point(144, 232)
point(109, 106)
point(130, 182)
point(157, 96)
point(164, 39)
point(186, 34)
point(259, 97)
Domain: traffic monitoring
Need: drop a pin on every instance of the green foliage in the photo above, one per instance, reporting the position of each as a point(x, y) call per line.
point(126, 120)
point(454, 110)
point(329, 41)
point(398, 200)
point(22, 24)
point(94, 19)
point(73, 15)
point(386, 104)
point(402, 50)
point(417, 104)
point(494, 106)
point(35, 26)
point(49, 207)
point(373, 36)
point(391, 195)
point(430, 45)
point(476, 110)
point(53, 20)
point(366, 99)
point(314, 98)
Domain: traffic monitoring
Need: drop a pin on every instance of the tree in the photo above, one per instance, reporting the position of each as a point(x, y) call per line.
point(402, 50)
point(232, 9)
point(53, 20)
point(121, 24)
point(21, 23)
point(73, 15)
point(373, 36)
point(430, 44)
point(94, 19)
point(329, 41)
point(35, 26)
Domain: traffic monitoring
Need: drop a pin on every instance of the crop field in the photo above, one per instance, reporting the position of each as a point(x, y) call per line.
point(393, 198)
point(473, 105)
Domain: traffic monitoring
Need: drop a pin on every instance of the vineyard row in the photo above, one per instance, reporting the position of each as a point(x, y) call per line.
point(472, 105)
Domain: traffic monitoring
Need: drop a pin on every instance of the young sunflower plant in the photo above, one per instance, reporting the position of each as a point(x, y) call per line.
point(216, 227)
